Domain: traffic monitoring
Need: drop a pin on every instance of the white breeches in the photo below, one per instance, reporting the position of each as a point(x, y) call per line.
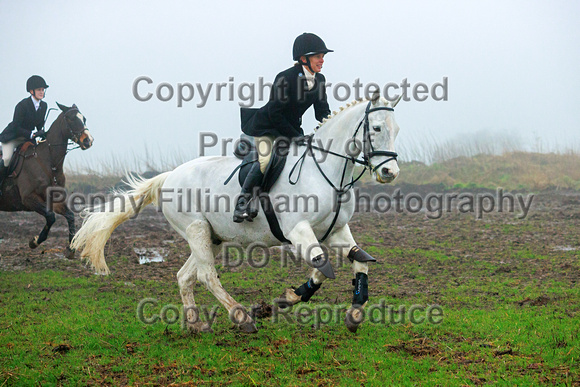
point(8, 149)
point(264, 147)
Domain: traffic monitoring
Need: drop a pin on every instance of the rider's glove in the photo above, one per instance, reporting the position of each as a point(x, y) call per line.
point(40, 134)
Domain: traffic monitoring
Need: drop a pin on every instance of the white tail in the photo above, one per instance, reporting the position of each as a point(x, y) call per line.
point(98, 226)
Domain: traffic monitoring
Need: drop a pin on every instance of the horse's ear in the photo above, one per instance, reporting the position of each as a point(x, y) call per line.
point(396, 101)
point(74, 106)
point(62, 107)
point(375, 97)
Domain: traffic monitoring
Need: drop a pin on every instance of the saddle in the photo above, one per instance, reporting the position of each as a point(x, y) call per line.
point(25, 150)
point(273, 171)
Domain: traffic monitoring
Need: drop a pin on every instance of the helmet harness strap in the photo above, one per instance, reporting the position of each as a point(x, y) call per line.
point(307, 63)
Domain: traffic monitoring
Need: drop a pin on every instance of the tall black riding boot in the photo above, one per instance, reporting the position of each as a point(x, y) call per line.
point(254, 179)
point(3, 173)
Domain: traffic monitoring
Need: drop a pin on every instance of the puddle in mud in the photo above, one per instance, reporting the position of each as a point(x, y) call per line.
point(565, 248)
point(150, 254)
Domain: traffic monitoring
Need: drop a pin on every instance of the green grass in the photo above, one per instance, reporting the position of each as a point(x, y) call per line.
point(56, 329)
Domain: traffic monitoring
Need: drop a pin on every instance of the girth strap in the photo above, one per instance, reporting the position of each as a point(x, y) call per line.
point(271, 217)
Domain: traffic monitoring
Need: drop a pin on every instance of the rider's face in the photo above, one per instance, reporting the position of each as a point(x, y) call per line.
point(38, 93)
point(316, 62)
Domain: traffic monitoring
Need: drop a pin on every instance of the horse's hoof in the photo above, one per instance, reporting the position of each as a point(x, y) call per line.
point(242, 320)
point(199, 327)
point(354, 317)
point(287, 299)
point(352, 327)
point(248, 327)
point(33, 243)
point(69, 253)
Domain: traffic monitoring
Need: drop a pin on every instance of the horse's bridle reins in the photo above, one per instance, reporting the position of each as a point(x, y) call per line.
point(368, 152)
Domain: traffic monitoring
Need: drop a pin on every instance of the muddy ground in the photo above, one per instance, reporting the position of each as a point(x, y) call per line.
point(543, 246)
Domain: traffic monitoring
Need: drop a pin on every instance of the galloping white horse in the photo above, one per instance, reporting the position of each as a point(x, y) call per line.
point(366, 129)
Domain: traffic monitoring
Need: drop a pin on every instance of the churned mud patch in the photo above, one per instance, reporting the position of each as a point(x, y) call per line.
point(409, 247)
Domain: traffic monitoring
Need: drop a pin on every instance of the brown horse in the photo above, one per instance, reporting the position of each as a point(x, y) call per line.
point(39, 173)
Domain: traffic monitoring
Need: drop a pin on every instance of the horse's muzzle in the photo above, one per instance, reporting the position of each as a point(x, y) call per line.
point(386, 175)
point(86, 140)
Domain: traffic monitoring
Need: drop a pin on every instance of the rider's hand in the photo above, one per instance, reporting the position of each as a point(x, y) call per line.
point(40, 134)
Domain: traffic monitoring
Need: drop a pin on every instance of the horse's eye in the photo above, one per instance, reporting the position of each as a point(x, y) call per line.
point(377, 128)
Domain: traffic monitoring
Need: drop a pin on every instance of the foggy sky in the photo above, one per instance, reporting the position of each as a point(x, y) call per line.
point(511, 66)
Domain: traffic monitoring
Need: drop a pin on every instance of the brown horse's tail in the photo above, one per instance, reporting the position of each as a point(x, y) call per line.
point(98, 225)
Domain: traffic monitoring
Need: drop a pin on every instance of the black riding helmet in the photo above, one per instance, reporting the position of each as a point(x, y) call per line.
point(308, 44)
point(35, 82)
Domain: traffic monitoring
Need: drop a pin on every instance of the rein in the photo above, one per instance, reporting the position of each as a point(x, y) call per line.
point(366, 162)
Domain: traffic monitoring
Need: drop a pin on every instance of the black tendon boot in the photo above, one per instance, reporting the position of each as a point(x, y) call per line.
point(307, 290)
point(243, 210)
point(360, 294)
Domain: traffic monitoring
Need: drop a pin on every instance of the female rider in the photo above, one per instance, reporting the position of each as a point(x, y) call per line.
point(29, 113)
point(293, 92)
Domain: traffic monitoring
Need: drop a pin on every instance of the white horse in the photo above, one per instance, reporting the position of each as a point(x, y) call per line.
point(363, 128)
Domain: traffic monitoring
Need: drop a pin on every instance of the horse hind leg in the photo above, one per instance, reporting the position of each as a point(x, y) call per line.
point(201, 266)
point(186, 278)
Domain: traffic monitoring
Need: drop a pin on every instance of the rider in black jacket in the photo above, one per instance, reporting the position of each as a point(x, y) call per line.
point(293, 92)
point(28, 115)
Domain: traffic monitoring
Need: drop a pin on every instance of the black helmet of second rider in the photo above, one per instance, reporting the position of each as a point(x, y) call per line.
point(308, 44)
point(35, 82)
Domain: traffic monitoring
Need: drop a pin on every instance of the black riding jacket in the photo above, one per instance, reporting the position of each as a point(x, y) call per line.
point(26, 118)
point(289, 99)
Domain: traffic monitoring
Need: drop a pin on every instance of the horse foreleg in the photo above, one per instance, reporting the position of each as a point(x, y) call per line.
point(201, 266)
point(343, 242)
point(40, 207)
point(306, 243)
point(63, 210)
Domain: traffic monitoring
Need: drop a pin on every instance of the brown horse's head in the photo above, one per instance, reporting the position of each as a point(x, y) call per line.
point(76, 128)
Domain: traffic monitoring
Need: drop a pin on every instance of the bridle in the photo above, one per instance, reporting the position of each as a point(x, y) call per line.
point(368, 152)
point(71, 135)
point(74, 137)
point(367, 141)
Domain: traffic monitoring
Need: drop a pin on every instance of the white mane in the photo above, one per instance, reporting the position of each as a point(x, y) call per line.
point(348, 105)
